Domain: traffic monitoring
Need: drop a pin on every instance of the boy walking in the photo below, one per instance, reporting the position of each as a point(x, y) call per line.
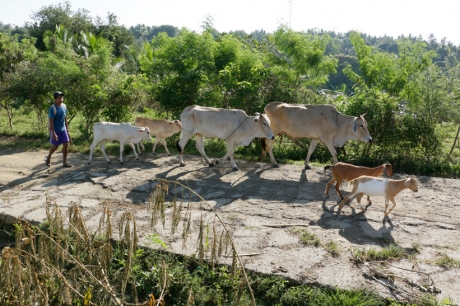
point(59, 128)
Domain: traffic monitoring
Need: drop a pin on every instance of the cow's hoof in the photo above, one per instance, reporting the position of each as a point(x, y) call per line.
point(235, 169)
point(276, 166)
point(89, 163)
point(307, 167)
point(216, 162)
point(211, 165)
point(182, 164)
point(169, 154)
point(109, 162)
point(153, 153)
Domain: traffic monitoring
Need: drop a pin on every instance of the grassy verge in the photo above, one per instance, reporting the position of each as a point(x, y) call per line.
point(208, 284)
point(26, 136)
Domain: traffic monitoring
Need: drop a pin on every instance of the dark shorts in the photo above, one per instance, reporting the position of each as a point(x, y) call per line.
point(62, 136)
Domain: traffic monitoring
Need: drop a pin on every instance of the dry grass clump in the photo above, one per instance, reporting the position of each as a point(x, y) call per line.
point(305, 237)
point(62, 263)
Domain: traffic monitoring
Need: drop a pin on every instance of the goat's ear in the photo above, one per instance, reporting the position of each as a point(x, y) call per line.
point(385, 170)
point(407, 182)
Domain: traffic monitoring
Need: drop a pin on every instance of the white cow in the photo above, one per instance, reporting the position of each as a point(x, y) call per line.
point(160, 129)
point(320, 122)
point(121, 132)
point(231, 125)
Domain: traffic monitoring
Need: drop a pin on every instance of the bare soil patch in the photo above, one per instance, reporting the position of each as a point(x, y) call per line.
point(260, 205)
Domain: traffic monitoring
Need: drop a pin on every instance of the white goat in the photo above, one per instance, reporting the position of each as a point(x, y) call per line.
point(374, 186)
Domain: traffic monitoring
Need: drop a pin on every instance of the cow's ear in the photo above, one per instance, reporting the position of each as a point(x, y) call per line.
point(257, 117)
point(141, 130)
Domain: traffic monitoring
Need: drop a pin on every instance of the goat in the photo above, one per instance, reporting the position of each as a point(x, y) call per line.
point(376, 186)
point(343, 172)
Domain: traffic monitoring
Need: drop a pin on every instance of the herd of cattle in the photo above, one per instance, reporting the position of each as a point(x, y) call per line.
point(319, 122)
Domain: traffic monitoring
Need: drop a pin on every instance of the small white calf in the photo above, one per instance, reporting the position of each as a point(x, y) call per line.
point(121, 132)
point(374, 186)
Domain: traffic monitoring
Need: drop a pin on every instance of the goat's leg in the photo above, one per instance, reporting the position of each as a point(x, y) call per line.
point(328, 185)
point(358, 199)
point(389, 211)
point(337, 188)
point(386, 207)
point(345, 200)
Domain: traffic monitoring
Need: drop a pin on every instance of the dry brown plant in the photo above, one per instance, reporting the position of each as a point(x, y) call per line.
point(215, 244)
point(63, 262)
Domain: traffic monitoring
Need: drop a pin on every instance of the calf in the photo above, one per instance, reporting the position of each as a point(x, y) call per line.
point(121, 132)
point(375, 186)
point(160, 129)
point(343, 172)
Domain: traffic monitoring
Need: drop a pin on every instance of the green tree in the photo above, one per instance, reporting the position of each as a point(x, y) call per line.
point(240, 73)
point(117, 34)
point(179, 68)
point(385, 90)
point(297, 62)
point(48, 17)
point(13, 52)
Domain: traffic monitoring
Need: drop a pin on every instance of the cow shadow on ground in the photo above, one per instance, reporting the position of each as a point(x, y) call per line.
point(356, 227)
point(220, 185)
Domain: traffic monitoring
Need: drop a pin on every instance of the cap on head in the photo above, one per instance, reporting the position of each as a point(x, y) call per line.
point(57, 94)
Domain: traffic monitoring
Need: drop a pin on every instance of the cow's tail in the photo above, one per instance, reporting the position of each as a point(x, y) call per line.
point(327, 167)
point(179, 148)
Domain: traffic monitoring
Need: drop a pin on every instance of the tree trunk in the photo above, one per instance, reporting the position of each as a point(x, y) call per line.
point(453, 145)
point(10, 117)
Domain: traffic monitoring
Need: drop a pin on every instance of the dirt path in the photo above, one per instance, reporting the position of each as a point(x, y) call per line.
point(252, 202)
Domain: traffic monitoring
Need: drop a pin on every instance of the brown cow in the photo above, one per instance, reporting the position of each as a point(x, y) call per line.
point(160, 129)
point(321, 122)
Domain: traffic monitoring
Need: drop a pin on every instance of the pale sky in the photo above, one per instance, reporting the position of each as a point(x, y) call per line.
point(376, 18)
